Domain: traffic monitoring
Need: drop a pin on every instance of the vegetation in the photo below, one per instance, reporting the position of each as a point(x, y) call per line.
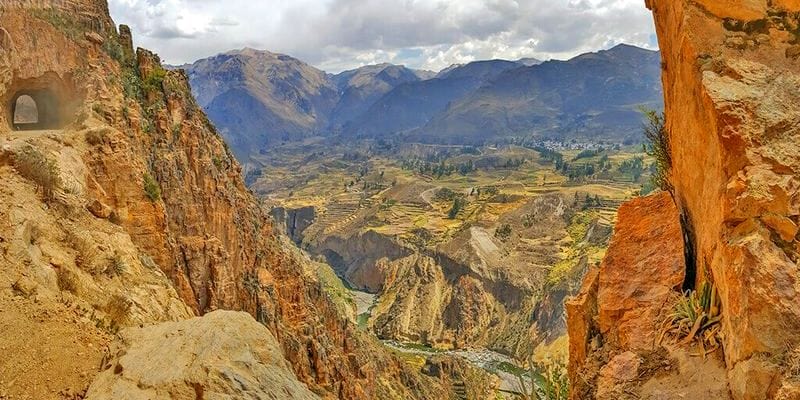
point(696, 316)
point(68, 280)
point(544, 382)
point(634, 167)
point(154, 80)
point(96, 136)
point(64, 22)
point(117, 266)
point(551, 156)
point(586, 154)
point(503, 232)
point(658, 147)
point(458, 205)
point(151, 188)
point(33, 165)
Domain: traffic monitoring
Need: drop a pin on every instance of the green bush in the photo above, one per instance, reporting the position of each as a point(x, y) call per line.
point(458, 204)
point(658, 147)
point(151, 188)
point(154, 80)
point(503, 232)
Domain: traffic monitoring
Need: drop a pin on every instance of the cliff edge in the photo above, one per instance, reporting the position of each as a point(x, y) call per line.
point(730, 74)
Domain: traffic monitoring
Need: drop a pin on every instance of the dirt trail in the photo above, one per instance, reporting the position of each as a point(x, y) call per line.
point(49, 351)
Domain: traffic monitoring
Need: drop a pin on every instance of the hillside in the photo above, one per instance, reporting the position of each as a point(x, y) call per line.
point(127, 216)
point(594, 95)
point(260, 99)
point(360, 88)
point(414, 104)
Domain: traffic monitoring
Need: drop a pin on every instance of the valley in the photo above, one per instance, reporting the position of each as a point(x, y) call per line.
point(622, 224)
point(453, 250)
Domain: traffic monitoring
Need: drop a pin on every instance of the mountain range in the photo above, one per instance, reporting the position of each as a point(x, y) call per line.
point(260, 99)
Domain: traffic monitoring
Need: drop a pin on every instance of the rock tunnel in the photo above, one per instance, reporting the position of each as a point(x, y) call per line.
point(38, 104)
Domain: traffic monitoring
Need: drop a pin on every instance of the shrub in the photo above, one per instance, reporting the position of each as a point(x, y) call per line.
point(151, 188)
point(154, 80)
point(458, 204)
point(33, 165)
point(96, 136)
point(503, 232)
point(658, 147)
point(118, 309)
point(543, 382)
point(696, 316)
point(68, 281)
point(118, 265)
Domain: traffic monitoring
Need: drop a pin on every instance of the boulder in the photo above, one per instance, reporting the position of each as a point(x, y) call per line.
point(644, 265)
point(223, 355)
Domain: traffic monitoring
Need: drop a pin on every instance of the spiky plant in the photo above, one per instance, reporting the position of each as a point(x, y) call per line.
point(696, 317)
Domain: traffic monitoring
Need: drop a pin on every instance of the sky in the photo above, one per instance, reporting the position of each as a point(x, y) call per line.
point(336, 35)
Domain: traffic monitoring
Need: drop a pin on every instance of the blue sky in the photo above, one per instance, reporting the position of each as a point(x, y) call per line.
point(335, 35)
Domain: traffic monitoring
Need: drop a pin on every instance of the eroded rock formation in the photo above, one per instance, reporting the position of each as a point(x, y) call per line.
point(149, 219)
point(730, 73)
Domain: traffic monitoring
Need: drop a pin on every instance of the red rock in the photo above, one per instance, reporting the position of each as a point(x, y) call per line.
point(644, 265)
point(581, 310)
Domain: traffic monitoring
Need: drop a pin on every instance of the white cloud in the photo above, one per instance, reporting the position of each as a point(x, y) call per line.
point(342, 34)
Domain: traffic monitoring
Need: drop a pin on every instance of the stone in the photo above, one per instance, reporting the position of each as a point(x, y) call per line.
point(99, 210)
point(644, 266)
point(793, 52)
point(581, 310)
point(784, 226)
point(25, 287)
point(223, 354)
point(95, 38)
point(615, 376)
point(754, 379)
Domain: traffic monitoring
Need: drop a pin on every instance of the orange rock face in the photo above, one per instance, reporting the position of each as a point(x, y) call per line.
point(643, 266)
point(621, 304)
point(730, 79)
point(730, 82)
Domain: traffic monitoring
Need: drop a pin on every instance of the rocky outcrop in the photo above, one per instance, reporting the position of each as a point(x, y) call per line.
point(621, 305)
point(644, 265)
point(224, 353)
point(730, 78)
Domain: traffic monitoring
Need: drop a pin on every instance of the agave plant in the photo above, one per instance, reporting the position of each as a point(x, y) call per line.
point(696, 316)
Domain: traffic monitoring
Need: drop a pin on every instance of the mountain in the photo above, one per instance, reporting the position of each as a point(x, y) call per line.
point(594, 94)
point(529, 62)
point(412, 105)
point(257, 98)
point(360, 88)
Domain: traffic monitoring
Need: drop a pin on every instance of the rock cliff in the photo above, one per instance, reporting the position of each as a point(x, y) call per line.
point(129, 210)
point(730, 77)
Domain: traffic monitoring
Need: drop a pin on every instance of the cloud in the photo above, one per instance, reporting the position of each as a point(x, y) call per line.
point(342, 34)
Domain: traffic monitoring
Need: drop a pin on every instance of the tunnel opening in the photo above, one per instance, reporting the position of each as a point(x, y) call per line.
point(46, 102)
point(26, 112)
point(35, 110)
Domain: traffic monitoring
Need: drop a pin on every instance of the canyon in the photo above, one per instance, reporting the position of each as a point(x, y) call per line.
point(350, 256)
point(129, 211)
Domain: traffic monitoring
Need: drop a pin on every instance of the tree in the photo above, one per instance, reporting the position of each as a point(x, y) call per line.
point(458, 204)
